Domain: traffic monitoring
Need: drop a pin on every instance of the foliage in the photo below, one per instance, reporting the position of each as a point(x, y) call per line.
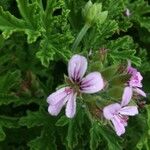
point(35, 44)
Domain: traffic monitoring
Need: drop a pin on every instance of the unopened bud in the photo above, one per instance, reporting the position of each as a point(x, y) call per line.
point(93, 13)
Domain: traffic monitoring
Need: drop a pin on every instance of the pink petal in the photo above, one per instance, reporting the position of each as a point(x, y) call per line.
point(92, 83)
point(127, 95)
point(119, 127)
point(55, 109)
point(135, 80)
point(57, 96)
point(138, 74)
point(130, 69)
point(111, 110)
point(77, 67)
point(71, 106)
point(129, 110)
point(139, 91)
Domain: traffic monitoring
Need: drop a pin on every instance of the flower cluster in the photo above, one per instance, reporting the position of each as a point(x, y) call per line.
point(117, 113)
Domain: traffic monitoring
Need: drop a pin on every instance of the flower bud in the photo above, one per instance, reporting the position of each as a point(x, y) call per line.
point(93, 13)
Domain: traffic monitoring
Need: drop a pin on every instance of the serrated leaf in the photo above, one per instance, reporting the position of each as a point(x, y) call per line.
point(5, 59)
point(125, 55)
point(1, 42)
point(95, 138)
point(30, 25)
point(145, 22)
point(9, 81)
point(120, 80)
point(34, 119)
point(9, 23)
point(95, 66)
point(137, 8)
point(139, 14)
point(46, 140)
point(123, 49)
point(31, 13)
point(112, 143)
point(63, 120)
point(6, 99)
point(99, 33)
point(116, 92)
point(7, 122)
point(109, 72)
point(114, 7)
point(99, 132)
point(75, 129)
point(46, 52)
point(72, 139)
point(125, 42)
point(2, 134)
point(107, 28)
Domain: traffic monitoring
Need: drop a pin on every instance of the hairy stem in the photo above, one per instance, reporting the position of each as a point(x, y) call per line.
point(80, 36)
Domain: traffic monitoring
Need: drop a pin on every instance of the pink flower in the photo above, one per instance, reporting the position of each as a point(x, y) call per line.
point(91, 83)
point(118, 113)
point(135, 80)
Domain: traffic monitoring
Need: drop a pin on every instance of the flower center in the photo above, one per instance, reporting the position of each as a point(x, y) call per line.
point(68, 90)
point(123, 118)
point(74, 84)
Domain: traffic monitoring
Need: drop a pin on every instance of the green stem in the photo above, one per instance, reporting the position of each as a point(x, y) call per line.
point(80, 36)
point(41, 4)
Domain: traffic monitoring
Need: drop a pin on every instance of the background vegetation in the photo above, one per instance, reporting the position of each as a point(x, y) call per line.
point(35, 44)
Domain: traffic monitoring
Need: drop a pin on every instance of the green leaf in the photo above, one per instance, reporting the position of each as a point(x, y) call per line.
point(31, 24)
point(106, 29)
point(6, 99)
point(47, 137)
point(109, 72)
point(116, 92)
point(1, 42)
point(112, 143)
point(46, 140)
point(123, 49)
point(75, 130)
point(31, 13)
point(140, 15)
point(145, 22)
point(124, 43)
point(7, 122)
point(99, 33)
point(34, 119)
point(137, 8)
point(95, 137)
point(120, 80)
point(114, 7)
point(9, 23)
point(100, 133)
point(2, 134)
point(140, 138)
point(125, 55)
point(72, 137)
point(46, 52)
point(62, 121)
point(10, 81)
